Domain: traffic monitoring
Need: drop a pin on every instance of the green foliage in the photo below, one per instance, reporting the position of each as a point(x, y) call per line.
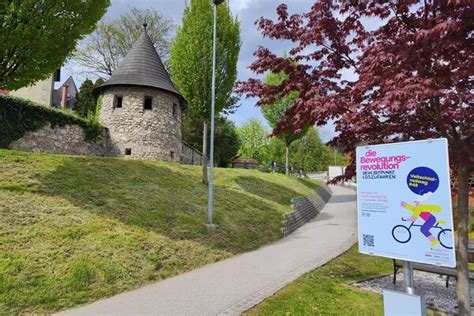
point(104, 49)
point(37, 36)
point(191, 56)
point(273, 113)
point(86, 100)
point(78, 229)
point(18, 116)
point(94, 129)
point(276, 111)
point(191, 129)
point(308, 153)
point(311, 154)
point(254, 139)
point(227, 142)
point(325, 291)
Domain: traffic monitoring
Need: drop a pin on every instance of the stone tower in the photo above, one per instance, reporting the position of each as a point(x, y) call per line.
point(141, 107)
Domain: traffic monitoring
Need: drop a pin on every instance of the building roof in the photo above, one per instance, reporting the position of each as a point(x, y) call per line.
point(142, 67)
point(71, 90)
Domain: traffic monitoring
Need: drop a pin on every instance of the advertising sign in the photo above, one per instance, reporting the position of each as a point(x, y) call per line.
point(404, 202)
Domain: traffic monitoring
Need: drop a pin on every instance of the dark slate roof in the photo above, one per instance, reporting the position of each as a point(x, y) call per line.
point(142, 67)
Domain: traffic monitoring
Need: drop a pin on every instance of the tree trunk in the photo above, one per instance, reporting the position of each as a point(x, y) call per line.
point(287, 164)
point(462, 289)
point(204, 153)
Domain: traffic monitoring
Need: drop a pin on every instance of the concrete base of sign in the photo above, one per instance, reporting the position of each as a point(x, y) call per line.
point(212, 226)
point(400, 303)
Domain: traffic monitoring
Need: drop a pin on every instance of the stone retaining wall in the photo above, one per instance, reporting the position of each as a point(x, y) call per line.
point(68, 139)
point(190, 156)
point(305, 209)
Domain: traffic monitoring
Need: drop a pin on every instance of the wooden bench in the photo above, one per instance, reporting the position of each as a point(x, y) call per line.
point(448, 272)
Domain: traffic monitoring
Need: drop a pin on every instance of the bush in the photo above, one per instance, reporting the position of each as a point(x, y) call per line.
point(18, 116)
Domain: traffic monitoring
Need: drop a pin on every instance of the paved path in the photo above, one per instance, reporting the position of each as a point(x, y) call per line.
point(236, 284)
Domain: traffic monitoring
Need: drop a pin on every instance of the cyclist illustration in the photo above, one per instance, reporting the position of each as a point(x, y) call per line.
point(425, 212)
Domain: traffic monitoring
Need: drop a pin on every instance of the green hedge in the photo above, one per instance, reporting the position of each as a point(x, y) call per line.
point(18, 116)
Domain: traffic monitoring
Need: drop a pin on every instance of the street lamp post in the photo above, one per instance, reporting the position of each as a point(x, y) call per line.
point(210, 204)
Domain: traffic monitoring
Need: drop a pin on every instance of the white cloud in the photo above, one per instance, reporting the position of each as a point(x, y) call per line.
point(238, 5)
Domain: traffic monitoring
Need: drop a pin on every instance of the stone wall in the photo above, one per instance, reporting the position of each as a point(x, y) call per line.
point(190, 156)
point(305, 209)
point(68, 139)
point(141, 133)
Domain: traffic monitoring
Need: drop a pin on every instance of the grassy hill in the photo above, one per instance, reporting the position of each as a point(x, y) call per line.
point(76, 229)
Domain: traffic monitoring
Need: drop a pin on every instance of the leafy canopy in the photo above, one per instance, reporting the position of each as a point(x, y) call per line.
point(103, 50)
point(37, 36)
point(254, 140)
point(226, 138)
point(308, 153)
point(227, 142)
point(275, 111)
point(191, 56)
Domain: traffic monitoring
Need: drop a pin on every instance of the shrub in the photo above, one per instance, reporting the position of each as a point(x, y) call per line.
point(18, 116)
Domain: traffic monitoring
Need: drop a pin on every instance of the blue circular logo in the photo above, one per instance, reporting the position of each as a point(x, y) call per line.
point(422, 180)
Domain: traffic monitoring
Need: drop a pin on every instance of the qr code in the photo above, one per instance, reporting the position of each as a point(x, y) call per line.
point(368, 240)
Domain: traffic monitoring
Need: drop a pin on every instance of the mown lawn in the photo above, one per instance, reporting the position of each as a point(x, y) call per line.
point(76, 229)
point(325, 291)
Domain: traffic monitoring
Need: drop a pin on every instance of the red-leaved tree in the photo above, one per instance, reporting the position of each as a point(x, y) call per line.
point(413, 66)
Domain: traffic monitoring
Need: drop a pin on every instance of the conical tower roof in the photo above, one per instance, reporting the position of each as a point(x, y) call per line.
point(142, 67)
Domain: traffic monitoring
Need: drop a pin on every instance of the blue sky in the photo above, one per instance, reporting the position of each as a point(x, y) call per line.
point(248, 11)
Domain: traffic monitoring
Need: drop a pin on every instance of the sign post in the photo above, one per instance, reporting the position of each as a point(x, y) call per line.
point(408, 277)
point(404, 204)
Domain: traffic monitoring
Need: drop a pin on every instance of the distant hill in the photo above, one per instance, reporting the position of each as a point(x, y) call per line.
point(76, 229)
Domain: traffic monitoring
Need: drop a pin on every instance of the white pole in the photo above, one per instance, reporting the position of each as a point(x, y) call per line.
point(213, 100)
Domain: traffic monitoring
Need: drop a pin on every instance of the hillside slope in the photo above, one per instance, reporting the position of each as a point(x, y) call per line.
point(76, 229)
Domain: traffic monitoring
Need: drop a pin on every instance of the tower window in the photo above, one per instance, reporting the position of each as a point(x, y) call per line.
point(128, 151)
point(175, 110)
point(118, 102)
point(172, 154)
point(147, 104)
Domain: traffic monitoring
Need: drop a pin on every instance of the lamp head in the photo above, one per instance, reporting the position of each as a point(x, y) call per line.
point(217, 2)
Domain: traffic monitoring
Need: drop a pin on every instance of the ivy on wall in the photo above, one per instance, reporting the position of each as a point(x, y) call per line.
point(18, 116)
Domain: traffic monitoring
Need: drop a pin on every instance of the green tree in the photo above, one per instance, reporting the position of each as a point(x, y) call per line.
point(254, 141)
point(311, 154)
point(37, 36)
point(191, 61)
point(275, 111)
point(86, 100)
point(308, 152)
point(227, 140)
point(104, 49)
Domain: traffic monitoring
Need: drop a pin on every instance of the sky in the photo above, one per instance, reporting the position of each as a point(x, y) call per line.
point(248, 11)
